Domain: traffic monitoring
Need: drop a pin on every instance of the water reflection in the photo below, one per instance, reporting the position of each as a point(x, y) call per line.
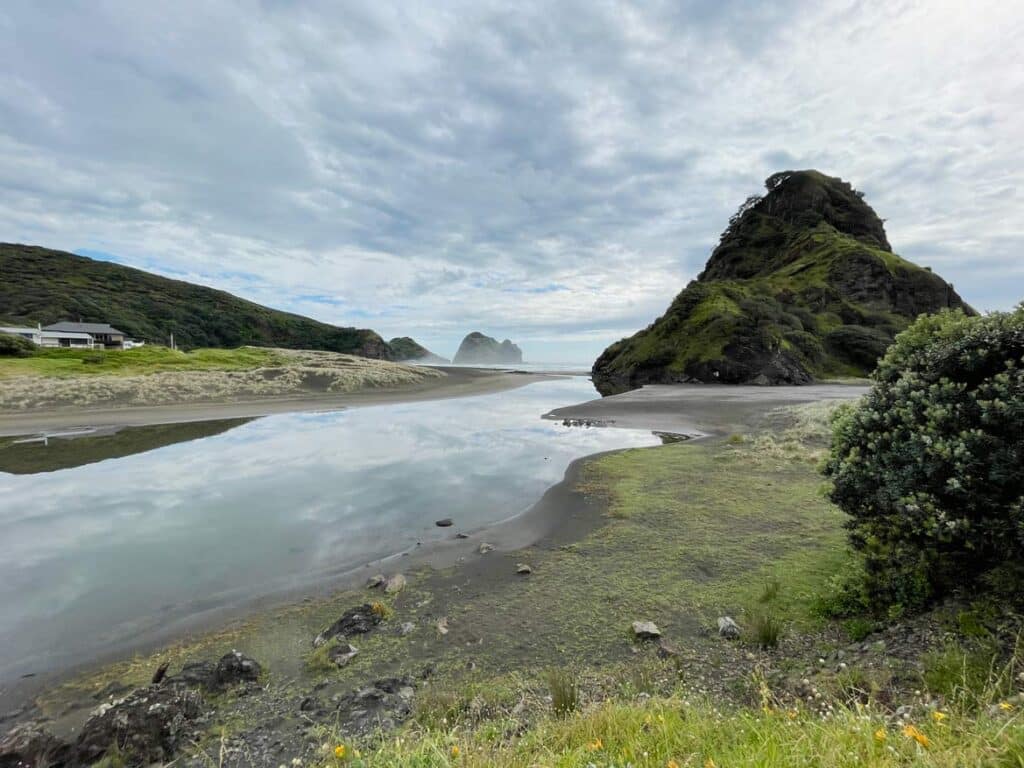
point(110, 551)
point(74, 448)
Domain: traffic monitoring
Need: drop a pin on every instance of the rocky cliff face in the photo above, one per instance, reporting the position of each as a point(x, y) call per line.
point(802, 284)
point(479, 349)
point(405, 349)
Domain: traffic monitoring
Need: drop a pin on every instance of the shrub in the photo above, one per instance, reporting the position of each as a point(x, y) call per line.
point(930, 465)
point(15, 346)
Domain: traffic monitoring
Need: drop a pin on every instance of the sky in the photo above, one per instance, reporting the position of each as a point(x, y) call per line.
point(551, 172)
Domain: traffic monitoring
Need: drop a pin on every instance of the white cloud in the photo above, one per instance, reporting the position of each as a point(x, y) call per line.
point(433, 171)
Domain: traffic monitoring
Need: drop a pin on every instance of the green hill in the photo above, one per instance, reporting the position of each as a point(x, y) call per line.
point(803, 284)
point(406, 349)
point(39, 285)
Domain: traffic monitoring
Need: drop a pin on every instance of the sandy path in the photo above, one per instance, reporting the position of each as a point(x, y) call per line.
point(699, 409)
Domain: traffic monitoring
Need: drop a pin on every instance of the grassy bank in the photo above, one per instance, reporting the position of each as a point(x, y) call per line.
point(671, 733)
point(133, 362)
point(154, 375)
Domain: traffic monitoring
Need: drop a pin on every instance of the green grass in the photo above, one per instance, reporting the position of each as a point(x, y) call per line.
point(142, 360)
point(670, 731)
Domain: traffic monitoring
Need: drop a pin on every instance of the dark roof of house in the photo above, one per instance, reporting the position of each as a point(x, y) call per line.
point(92, 328)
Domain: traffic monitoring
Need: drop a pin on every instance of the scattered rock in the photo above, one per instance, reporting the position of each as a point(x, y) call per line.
point(394, 584)
point(407, 628)
point(149, 725)
point(646, 630)
point(381, 706)
point(523, 569)
point(444, 523)
point(233, 668)
point(32, 746)
point(342, 654)
point(355, 621)
point(667, 650)
point(442, 625)
point(484, 548)
point(377, 581)
point(461, 535)
point(728, 628)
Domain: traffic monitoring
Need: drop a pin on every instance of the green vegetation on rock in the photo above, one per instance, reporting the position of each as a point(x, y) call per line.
point(930, 465)
point(803, 284)
point(406, 349)
point(40, 285)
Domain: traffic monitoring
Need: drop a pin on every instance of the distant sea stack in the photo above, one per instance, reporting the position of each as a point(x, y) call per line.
point(407, 350)
point(479, 349)
point(803, 284)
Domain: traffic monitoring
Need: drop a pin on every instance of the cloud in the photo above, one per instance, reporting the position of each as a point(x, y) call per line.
point(435, 170)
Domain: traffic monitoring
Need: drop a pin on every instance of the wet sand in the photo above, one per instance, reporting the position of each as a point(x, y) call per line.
point(698, 410)
point(457, 382)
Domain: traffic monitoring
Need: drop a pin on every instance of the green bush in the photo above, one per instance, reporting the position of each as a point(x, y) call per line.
point(15, 346)
point(930, 465)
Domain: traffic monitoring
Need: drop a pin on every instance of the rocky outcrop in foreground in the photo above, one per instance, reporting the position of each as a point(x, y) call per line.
point(477, 348)
point(803, 284)
point(149, 725)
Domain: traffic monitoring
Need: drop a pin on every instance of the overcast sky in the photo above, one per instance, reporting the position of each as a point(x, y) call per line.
point(554, 172)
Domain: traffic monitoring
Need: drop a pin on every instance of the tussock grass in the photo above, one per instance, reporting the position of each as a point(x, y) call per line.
point(564, 690)
point(160, 376)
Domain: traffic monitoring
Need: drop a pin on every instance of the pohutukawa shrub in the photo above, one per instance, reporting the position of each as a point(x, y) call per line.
point(930, 464)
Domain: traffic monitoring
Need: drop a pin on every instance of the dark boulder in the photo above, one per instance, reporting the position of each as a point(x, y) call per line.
point(383, 705)
point(30, 745)
point(148, 726)
point(355, 621)
point(232, 668)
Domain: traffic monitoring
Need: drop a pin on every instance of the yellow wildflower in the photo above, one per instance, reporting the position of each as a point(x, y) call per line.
point(339, 751)
point(455, 750)
point(661, 718)
point(913, 733)
point(881, 735)
point(1005, 706)
point(595, 745)
point(938, 716)
point(709, 763)
point(671, 764)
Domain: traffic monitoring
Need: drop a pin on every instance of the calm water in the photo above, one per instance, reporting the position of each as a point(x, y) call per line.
point(124, 545)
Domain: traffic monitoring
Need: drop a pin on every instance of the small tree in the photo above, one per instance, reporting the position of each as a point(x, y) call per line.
point(15, 346)
point(930, 465)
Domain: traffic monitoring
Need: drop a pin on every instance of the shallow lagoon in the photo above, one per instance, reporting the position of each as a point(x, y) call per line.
point(119, 548)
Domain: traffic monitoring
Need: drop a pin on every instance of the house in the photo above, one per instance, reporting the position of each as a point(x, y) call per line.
point(104, 336)
point(47, 338)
